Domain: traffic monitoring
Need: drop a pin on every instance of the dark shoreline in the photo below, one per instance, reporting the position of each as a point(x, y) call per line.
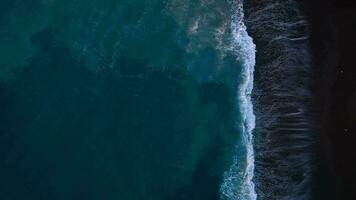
point(332, 27)
point(284, 133)
point(332, 31)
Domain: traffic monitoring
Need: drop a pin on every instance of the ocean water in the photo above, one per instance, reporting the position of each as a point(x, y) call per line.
point(125, 100)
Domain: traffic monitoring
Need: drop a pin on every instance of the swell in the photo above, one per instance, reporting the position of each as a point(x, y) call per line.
point(284, 139)
point(238, 180)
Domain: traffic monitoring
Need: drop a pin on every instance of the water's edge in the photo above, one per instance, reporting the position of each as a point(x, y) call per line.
point(238, 180)
point(285, 140)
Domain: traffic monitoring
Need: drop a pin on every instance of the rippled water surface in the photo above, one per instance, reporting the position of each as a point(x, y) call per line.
point(125, 100)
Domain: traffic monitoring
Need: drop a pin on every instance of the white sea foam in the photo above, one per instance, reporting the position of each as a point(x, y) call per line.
point(238, 180)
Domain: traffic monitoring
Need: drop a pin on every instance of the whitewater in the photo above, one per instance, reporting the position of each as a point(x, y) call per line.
point(238, 180)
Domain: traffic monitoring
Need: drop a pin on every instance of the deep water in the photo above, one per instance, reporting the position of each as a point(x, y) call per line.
point(121, 99)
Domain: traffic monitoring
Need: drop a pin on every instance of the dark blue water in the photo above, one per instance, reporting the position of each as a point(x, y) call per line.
point(125, 100)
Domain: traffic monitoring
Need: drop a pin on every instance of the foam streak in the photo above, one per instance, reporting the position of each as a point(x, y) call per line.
point(238, 180)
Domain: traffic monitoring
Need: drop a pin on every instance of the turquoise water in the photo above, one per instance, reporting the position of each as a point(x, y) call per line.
point(125, 100)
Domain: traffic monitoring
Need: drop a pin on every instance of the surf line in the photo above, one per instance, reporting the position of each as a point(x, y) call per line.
point(238, 180)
